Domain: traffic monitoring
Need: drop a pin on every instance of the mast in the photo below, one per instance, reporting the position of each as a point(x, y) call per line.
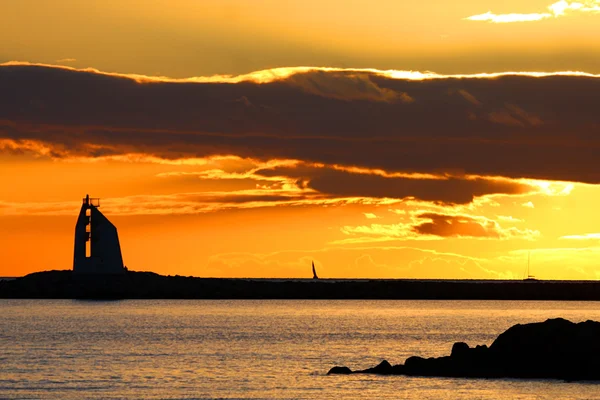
point(529, 276)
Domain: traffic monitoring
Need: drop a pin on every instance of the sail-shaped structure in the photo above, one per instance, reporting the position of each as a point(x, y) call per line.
point(97, 247)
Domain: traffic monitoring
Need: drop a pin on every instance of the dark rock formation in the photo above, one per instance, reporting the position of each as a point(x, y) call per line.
point(384, 368)
point(555, 349)
point(340, 371)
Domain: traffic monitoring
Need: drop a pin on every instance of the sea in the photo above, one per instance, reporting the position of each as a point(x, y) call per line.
point(259, 349)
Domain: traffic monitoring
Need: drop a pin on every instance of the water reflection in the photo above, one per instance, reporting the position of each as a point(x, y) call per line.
point(270, 349)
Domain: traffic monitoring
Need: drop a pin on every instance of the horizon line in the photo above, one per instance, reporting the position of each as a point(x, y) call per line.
point(327, 278)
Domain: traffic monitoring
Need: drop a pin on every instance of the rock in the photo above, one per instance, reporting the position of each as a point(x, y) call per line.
point(459, 349)
point(415, 363)
point(339, 371)
point(554, 349)
point(384, 368)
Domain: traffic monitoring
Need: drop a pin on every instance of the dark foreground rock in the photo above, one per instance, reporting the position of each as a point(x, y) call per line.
point(554, 349)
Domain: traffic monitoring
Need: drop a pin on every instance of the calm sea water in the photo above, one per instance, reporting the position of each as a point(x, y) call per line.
point(257, 349)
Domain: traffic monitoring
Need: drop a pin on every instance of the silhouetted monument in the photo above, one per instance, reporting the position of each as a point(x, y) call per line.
point(314, 271)
point(97, 248)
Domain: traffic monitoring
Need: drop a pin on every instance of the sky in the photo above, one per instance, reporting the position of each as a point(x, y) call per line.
point(386, 139)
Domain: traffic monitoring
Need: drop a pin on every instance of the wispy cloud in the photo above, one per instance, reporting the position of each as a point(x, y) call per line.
point(192, 203)
point(555, 10)
point(506, 18)
point(66, 60)
point(347, 87)
point(509, 218)
point(371, 216)
point(511, 115)
point(587, 236)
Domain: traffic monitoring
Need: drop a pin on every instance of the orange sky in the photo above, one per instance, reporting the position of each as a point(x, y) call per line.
point(369, 170)
point(181, 38)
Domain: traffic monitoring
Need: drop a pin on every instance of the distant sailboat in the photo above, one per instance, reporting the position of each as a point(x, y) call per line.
point(529, 276)
point(314, 271)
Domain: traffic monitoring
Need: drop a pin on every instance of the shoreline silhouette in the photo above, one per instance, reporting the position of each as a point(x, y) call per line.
point(149, 285)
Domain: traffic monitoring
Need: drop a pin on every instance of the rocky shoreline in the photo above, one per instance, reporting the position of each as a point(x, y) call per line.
point(554, 349)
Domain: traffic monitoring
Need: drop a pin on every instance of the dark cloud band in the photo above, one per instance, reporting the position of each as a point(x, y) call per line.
point(512, 126)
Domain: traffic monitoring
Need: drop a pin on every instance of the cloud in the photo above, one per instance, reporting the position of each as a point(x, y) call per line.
point(508, 114)
point(469, 97)
point(344, 118)
point(283, 73)
point(346, 87)
point(459, 226)
point(188, 203)
point(352, 183)
point(337, 181)
point(252, 183)
point(505, 118)
point(558, 9)
point(456, 225)
point(371, 216)
point(379, 233)
point(506, 18)
point(512, 115)
point(66, 60)
point(509, 218)
point(528, 204)
point(432, 226)
point(527, 118)
point(587, 236)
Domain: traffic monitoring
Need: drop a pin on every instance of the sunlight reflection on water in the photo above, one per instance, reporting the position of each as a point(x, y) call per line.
point(67, 349)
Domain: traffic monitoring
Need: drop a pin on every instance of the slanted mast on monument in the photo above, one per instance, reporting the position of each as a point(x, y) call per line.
point(97, 248)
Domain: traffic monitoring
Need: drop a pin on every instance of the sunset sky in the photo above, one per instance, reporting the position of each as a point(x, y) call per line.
point(230, 138)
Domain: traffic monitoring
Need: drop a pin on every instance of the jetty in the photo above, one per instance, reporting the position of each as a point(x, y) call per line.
point(148, 285)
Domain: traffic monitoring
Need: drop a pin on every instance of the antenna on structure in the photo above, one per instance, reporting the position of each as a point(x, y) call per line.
point(91, 201)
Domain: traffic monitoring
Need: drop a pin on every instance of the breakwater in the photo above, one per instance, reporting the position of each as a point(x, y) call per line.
point(147, 285)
